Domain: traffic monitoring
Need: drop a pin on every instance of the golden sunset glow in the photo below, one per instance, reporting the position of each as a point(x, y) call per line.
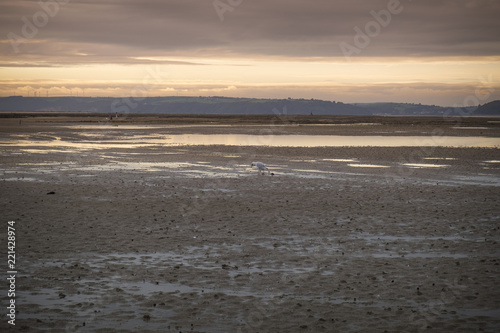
point(255, 51)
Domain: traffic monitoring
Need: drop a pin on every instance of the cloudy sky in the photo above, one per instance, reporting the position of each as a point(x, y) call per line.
point(444, 52)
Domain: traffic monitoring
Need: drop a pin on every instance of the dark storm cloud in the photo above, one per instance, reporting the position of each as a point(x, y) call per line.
point(121, 30)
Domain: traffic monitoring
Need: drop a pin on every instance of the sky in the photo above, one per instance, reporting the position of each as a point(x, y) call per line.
point(442, 52)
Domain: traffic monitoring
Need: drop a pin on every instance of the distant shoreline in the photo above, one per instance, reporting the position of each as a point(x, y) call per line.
point(430, 126)
point(217, 105)
point(250, 118)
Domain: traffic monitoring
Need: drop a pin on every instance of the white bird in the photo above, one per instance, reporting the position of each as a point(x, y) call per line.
point(262, 167)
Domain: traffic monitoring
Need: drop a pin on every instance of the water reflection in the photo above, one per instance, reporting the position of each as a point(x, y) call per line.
point(270, 140)
point(423, 165)
point(332, 140)
point(359, 165)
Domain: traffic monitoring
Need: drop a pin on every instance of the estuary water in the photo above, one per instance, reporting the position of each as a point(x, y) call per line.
point(90, 141)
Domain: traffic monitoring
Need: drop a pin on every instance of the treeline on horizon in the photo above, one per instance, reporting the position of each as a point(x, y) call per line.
point(229, 105)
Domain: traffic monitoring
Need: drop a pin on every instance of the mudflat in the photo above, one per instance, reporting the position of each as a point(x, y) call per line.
point(120, 230)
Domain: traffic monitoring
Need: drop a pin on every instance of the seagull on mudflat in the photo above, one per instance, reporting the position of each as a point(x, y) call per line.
point(262, 167)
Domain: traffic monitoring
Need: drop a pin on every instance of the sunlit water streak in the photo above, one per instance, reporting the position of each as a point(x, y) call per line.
point(259, 140)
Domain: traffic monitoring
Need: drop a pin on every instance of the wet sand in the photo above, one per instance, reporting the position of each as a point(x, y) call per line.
point(112, 237)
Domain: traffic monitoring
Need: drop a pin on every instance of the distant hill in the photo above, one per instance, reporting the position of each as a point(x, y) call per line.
point(217, 105)
point(489, 109)
point(407, 109)
point(178, 105)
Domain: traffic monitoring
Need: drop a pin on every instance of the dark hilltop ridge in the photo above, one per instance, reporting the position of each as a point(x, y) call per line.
point(488, 109)
point(228, 105)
